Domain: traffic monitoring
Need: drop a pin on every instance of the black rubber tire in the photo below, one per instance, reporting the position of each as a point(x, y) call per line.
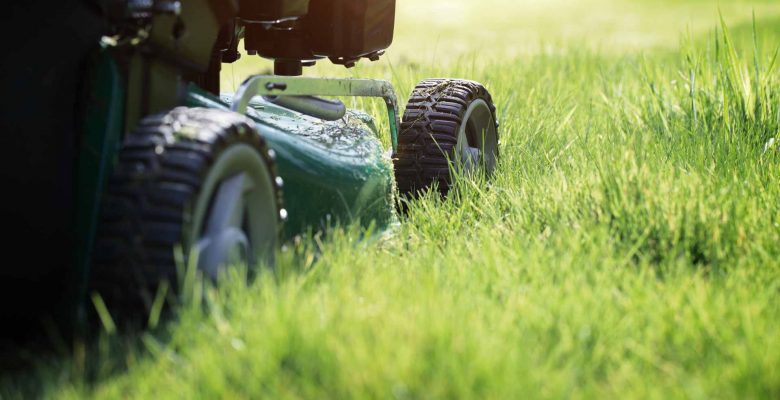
point(144, 211)
point(429, 133)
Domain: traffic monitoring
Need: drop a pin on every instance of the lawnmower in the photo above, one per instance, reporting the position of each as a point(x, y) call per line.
point(132, 162)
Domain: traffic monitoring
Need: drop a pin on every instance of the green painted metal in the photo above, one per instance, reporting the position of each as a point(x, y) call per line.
point(333, 171)
point(103, 126)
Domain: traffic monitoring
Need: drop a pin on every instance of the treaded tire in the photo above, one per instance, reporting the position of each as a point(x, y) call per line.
point(147, 206)
point(429, 133)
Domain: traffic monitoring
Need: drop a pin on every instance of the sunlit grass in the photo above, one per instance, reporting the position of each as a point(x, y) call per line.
point(629, 245)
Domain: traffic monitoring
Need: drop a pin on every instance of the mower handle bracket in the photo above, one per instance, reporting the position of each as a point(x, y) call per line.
point(271, 85)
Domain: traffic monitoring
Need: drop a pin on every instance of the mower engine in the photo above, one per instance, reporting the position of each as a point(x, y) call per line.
point(297, 33)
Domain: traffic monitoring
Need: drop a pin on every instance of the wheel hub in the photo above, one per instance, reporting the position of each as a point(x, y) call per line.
point(477, 139)
point(235, 220)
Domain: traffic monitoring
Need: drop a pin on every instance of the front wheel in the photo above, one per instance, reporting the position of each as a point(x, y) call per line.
point(201, 180)
point(449, 126)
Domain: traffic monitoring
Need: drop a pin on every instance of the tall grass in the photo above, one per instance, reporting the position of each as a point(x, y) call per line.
point(629, 246)
point(708, 193)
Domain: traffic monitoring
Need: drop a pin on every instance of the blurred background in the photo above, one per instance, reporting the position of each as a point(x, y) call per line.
point(431, 33)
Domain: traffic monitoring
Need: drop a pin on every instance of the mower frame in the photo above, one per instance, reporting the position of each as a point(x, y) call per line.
point(271, 85)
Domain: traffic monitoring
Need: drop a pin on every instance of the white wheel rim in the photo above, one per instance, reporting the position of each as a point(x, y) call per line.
point(477, 143)
point(235, 218)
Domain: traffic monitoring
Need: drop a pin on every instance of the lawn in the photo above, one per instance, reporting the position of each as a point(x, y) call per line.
point(628, 246)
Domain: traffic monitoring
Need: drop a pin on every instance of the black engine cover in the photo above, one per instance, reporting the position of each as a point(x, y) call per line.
point(342, 30)
point(350, 29)
point(272, 10)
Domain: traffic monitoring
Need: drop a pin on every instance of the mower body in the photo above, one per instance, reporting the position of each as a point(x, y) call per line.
point(333, 172)
point(129, 163)
point(126, 60)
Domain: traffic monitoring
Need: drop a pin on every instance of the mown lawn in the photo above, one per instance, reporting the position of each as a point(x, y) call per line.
point(628, 247)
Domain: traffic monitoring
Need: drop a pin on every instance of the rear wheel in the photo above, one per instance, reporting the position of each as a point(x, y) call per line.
point(200, 179)
point(448, 126)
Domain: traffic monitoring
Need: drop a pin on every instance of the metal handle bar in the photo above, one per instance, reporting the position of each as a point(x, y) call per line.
point(265, 85)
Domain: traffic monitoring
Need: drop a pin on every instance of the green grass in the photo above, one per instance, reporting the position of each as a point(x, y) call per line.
point(629, 246)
